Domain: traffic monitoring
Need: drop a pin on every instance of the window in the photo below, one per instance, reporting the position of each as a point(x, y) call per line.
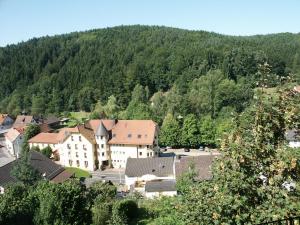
point(77, 163)
point(129, 135)
point(114, 135)
point(86, 164)
point(141, 153)
point(69, 153)
point(147, 154)
point(140, 146)
point(147, 146)
point(84, 147)
point(68, 146)
point(76, 154)
point(85, 156)
point(72, 138)
point(102, 153)
point(70, 162)
point(102, 145)
point(79, 138)
point(76, 147)
point(150, 153)
point(101, 137)
point(139, 136)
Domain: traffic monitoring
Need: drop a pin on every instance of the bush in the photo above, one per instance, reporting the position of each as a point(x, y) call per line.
point(47, 151)
point(101, 211)
point(124, 211)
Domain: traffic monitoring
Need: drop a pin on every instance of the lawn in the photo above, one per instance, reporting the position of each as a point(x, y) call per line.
point(78, 172)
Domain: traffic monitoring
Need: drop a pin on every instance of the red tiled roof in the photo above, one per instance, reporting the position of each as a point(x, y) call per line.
point(48, 138)
point(107, 123)
point(2, 118)
point(22, 121)
point(12, 134)
point(136, 132)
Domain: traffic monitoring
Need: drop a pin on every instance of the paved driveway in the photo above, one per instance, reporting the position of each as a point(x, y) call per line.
point(116, 176)
point(5, 157)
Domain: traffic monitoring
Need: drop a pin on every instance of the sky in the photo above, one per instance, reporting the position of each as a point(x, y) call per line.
point(21, 20)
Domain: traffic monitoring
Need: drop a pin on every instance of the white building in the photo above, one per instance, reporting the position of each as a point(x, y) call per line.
point(14, 141)
point(152, 177)
point(100, 143)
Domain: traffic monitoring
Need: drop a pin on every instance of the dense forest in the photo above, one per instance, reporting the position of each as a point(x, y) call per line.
point(143, 72)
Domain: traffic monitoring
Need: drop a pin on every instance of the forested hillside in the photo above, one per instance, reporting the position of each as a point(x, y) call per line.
point(141, 72)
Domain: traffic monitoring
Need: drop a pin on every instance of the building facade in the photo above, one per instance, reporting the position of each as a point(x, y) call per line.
point(100, 143)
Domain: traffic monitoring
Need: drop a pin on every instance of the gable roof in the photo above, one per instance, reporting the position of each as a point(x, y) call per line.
point(51, 120)
point(136, 132)
point(202, 166)
point(160, 167)
point(12, 134)
point(48, 138)
point(87, 133)
point(39, 162)
point(160, 186)
point(22, 121)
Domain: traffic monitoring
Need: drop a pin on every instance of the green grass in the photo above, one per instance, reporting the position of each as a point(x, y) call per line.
point(78, 172)
point(80, 115)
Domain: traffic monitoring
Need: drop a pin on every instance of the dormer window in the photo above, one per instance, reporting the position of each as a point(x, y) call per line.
point(139, 136)
point(129, 135)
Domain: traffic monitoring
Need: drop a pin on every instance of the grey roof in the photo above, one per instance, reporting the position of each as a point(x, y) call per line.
point(160, 167)
point(160, 186)
point(292, 135)
point(202, 166)
point(101, 130)
point(38, 161)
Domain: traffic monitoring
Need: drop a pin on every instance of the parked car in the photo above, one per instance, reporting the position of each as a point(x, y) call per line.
point(201, 148)
point(186, 150)
point(163, 149)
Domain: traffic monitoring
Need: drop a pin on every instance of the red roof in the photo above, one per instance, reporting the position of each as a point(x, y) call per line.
point(136, 132)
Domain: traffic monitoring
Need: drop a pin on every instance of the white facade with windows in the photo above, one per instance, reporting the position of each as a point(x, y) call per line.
point(77, 151)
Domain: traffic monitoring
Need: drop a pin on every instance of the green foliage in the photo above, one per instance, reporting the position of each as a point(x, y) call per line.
point(64, 70)
point(249, 177)
point(123, 212)
point(23, 171)
point(105, 191)
point(16, 206)
point(111, 109)
point(207, 130)
point(47, 151)
point(30, 131)
point(60, 204)
point(170, 131)
point(190, 135)
point(101, 212)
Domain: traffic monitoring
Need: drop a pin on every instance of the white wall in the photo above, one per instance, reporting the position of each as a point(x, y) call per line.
point(14, 147)
point(294, 144)
point(102, 148)
point(120, 154)
point(147, 177)
point(44, 145)
point(152, 195)
point(83, 155)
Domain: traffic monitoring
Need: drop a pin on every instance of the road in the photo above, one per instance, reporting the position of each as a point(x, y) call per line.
point(116, 176)
point(5, 157)
point(192, 152)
